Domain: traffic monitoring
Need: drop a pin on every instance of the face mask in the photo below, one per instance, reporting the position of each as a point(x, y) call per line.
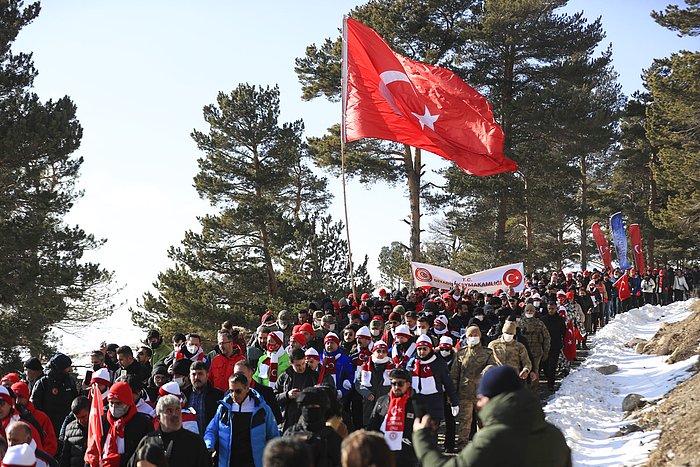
point(445, 353)
point(271, 347)
point(536, 303)
point(376, 359)
point(364, 318)
point(192, 349)
point(508, 337)
point(479, 317)
point(421, 331)
point(473, 340)
point(118, 412)
point(529, 315)
point(180, 381)
point(375, 332)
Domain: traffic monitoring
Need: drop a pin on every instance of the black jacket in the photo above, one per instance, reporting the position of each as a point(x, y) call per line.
point(435, 403)
point(556, 325)
point(405, 457)
point(53, 395)
point(268, 395)
point(212, 396)
point(74, 445)
point(324, 444)
point(289, 380)
point(182, 448)
point(134, 431)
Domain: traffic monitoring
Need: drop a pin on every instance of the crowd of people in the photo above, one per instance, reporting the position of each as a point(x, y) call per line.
point(359, 381)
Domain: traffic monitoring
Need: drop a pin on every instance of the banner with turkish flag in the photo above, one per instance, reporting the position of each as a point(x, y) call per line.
point(603, 246)
point(93, 451)
point(389, 96)
point(636, 240)
point(623, 288)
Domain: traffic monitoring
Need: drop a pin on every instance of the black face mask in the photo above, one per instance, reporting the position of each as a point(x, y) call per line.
point(312, 418)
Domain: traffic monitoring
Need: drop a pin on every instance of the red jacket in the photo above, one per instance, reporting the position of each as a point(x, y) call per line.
point(49, 441)
point(221, 368)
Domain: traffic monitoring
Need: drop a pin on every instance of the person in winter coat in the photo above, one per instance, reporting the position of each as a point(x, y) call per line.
point(680, 286)
point(372, 381)
point(469, 364)
point(222, 364)
point(648, 287)
point(265, 392)
point(404, 349)
point(54, 392)
point(8, 416)
point(508, 351)
point(75, 438)
point(447, 353)
point(122, 429)
point(160, 349)
point(537, 336)
point(311, 427)
point(337, 365)
point(182, 447)
point(274, 362)
point(159, 376)
point(431, 380)
point(291, 383)
point(202, 396)
point(514, 432)
point(37, 418)
point(242, 416)
point(393, 415)
point(556, 325)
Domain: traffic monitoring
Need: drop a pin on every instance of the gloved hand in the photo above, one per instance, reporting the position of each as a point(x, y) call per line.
point(340, 394)
point(455, 410)
point(347, 385)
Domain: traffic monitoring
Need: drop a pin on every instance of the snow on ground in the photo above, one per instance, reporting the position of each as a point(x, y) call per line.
point(78, 342)
point(588, 406)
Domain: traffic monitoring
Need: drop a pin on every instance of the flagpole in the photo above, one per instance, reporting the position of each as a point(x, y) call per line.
point(344, 88)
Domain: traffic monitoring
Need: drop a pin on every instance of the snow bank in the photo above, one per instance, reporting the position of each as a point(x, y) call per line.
point(588, 406)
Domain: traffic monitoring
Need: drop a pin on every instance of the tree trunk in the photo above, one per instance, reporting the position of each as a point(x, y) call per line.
point(412, 163)
point(272, 286)
point(528, 222)
point(584, 211)
point(653, 209)
point(506, 124)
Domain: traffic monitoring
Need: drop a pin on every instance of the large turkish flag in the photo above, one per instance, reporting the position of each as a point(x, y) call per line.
point(389, 96)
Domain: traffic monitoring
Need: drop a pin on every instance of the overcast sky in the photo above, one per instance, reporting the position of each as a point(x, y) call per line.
point(140, 73)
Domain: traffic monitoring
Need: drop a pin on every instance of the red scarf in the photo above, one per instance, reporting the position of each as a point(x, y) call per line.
point(369, 366)
point(395, 420)
point(362, 357)
point(111, 456)
point(271, 361)
point(327, 365)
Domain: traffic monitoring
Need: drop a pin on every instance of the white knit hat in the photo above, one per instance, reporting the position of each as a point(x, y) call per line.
point(402, 329)
point(19, 455)
point(101, 376)
point(313, 353)
point(170, 388)
point(424, 341)
point(446, 340)
point(363, 332)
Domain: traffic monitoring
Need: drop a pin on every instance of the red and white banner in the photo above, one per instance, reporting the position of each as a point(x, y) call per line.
point(636, 240)
point(603, 246)
point(489, 281)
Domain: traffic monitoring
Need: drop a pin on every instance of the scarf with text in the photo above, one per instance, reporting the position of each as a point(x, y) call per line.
point(395, 420)
point(400, 357)
point(268, 368)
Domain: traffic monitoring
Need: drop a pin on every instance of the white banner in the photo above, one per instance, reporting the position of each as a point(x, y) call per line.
point(491, 280)
point(488, 281)
point(434, 276)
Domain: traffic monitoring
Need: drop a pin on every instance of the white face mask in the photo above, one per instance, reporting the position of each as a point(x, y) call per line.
point(376, 359)
point(508, 337)
point(536, 303)
point(445, 353)
point(180, 381)
point(421, 331)
point(192, 349)
point(473, 340)
point(118, 412)
point(529, 315)
point(479, 317)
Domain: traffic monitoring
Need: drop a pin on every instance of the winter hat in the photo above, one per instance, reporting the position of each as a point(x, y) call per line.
point(355, 313)
point(33, 364)
point(182, 367)
point(157, 370)
point(330, 319)
point(376, 324)
point(101, 376)
point(277, 336)
point(284, 316)
point(21, 389)
point(300, 338)
point(509, 327)
point(382, 291)
point(561, 293)
point(19, 455)
point(569, 294)
point(10, 378)
point(365, 296)
point(332, 337)
point(445, 342)
point(529, 308)
point(400, 309)
point(380, 345)
point(312, 353)
point(171, 388)
point(536, 296)
point(402, 330)
point(498, 380)
point(441, 319)
point(121, 392)
point(5, 396)
point(424, 341)
point(307, 328)
point(60, 362)
point(473, 328)
point(393, 316)
point(363, 332)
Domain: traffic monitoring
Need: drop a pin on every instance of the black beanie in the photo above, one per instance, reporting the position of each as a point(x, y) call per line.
point(182, 367)
point(33, 364)
point(60, 362)
point(498, 380)
point(160, 370)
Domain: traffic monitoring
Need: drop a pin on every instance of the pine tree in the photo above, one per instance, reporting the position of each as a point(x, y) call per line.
point(43, 279)
point(394, 265)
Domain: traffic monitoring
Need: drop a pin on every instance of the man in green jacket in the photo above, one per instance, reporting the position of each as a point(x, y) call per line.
point(515, 432)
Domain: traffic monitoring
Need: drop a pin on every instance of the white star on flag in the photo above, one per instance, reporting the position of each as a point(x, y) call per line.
point(426, 119)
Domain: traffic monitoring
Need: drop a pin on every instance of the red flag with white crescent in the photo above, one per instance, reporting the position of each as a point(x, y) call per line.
point(636, 240)
point(93, 452)
point(623, 287)
point(603, 246)
point(391, 97)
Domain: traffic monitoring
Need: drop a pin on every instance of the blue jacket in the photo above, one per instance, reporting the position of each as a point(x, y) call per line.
point(344, 371)
point(263, 428)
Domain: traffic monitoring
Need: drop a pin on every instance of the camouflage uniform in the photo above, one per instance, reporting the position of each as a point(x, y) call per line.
point(538, 337)
point(511, 353)
point(467, 367)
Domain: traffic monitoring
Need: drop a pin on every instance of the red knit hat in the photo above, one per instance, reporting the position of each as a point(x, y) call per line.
point(307, 327)
point(300, 338)
point(121, 392)
point(365, 296)
point(332, 337)
point(424, 341)
point(21, 389)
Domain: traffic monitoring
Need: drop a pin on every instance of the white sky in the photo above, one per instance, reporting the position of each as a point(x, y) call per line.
point(140, 73)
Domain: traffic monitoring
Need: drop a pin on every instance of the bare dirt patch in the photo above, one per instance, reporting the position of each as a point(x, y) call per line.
point(679, 340)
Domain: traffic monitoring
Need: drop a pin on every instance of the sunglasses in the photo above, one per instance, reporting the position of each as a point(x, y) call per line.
point(398, 384)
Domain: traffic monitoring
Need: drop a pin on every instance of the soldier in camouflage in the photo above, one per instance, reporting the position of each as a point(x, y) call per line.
point(537, 336)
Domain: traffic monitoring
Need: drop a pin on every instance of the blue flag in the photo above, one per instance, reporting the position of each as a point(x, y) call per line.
point(619, 240)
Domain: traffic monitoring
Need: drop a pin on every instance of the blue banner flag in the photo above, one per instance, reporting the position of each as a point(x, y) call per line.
point(617, 226)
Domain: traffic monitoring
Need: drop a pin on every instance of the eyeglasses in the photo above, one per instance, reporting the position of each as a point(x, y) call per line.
point(398, 384)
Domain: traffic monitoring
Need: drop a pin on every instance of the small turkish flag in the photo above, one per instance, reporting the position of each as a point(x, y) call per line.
point(389, 96)
point(623, 288)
